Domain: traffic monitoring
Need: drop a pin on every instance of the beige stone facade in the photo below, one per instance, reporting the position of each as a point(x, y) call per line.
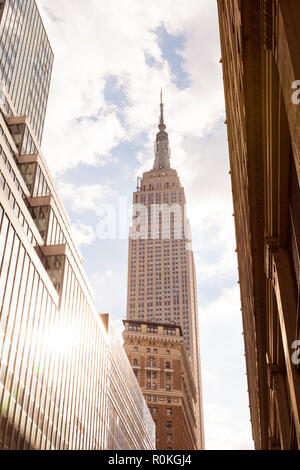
point(260, 42)
point(161, 269)
point(162, 367)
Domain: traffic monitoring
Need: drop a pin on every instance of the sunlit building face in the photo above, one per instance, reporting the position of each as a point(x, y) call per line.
point(65, 382)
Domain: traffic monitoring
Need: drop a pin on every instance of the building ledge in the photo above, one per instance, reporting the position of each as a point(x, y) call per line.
point(54, 250)
point(28, 158)
point(40, 201)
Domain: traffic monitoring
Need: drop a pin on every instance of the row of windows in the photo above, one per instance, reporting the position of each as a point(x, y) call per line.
point(153, 399)
point(153, 386)
point(135, 362)
point(154, 411)
point(148, 350)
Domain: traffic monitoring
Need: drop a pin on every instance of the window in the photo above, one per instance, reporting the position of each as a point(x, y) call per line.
point(148, 375)
point(153, 364)
point(154, 386)
point(168, 352)
point(148, 364)
point(152, 329)
point(134, 328)
point(169, 411)
point(155, 351)
point(170, 331)
point(169, 437)
point(169, 424)
point(153, 375)
point(168, 399)
point(135, 349)
point(135, 362)
point(148, 398)
point(154, 410)
point(168, 387)
point(148, 386)
point(154, 398)
point(168, 365)
point(168, 376)
point(148, 350)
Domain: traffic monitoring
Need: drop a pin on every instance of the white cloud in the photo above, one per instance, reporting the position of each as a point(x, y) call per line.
point(111, 41)
point(83, 198)
point(106, 286)
point(83, 234)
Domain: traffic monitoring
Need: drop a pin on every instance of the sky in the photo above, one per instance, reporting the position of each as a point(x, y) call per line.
point(112, 58)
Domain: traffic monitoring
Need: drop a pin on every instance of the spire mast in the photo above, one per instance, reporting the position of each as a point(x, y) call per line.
point(162, 152)
point(161, 126)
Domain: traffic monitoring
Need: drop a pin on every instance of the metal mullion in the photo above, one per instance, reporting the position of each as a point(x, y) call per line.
point(43, 329)
point(31, 315)
point(76, 376)
point(44, 386)
point(80, 369)
point(65, 361)
point(37, 307)
point(93, 377)
point(5, 35)
point(77, 331)
point(15, 361)
point(87, 371)
point(25, 106)
point(4, 340)
point(93, 414)
point(51, 360)
point(8, 268)
point(74, 383)
point(67, 307)
point(20, 63)
point(9, 356)
point(57, 394)
point(27, 59)
point(12, 42)
point(87, 392)
point(30, 278)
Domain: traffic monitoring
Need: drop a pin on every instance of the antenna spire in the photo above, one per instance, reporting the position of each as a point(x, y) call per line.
point(162, 152)
point(161, 126)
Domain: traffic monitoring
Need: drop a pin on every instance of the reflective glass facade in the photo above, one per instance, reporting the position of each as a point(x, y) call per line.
point(26, 61)
point(65, 382)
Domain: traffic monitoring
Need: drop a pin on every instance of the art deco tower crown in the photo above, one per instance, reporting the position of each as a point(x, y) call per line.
point(162, 151)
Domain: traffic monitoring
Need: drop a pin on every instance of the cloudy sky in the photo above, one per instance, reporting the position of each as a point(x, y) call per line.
point(112, 57)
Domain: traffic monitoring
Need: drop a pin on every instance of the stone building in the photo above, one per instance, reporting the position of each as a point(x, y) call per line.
point(260, 41)
point(163, 369)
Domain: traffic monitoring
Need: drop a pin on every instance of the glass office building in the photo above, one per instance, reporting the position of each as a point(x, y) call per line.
point(26, 61)
point(65, 382)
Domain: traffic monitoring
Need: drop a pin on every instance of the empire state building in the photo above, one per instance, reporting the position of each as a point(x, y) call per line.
point(161, 277)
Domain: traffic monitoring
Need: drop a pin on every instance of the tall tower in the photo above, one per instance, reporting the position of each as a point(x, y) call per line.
point(161, 270)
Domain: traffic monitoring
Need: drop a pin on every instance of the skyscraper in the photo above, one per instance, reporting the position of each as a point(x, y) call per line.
point(161, 269)
point(26, 61)
point(65, 382)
